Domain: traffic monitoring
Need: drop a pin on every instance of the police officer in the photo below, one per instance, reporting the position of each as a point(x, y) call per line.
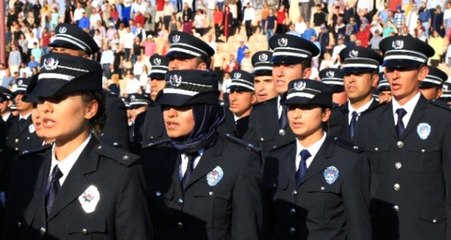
point(360, 69)
point(383, 89)
point(206, 187)
point(241, 99)
point(22, 134)
point(431, 86)
point(188, 52)
point(76, 188)
point(291, 60)
point(446, 93)
point(262, 71)
point(71, 40)
point(6, 100)
point(333, 77)
point(137, 108)
point(318, 187)
point(409, 146)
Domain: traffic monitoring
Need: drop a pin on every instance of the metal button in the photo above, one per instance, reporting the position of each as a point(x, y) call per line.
point(84, 231)
point(396, 186)
point(274, 185)
point(294, 193)
point(398, 165)
point(211, 193)
point(158, 193)
point(292, 211)
point(125, 158)
point(322, 188)
point(355, 147)
point(180, 201)
point(43, 231)
point(262, 139)
point(281, 132)
point(151, 137)
point(28, 138)
point(335, 138)
point(179, 225)
point(400, 144)
point(292, 230)
point(376, 149)
point(19, 224)
point(434, 220)
point(396, 208)
point(17, 140)
point(115, 144)
point(422, 150)
point(99, 147)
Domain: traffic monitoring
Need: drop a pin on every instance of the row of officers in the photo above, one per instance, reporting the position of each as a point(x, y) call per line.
point(310, 160)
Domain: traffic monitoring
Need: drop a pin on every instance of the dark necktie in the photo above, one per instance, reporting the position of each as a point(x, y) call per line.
point(22, 124)
point(189, 169)
point(305, 154)
point(353, 124)
point(53, 187)
point(283, 121)
point(400, 124)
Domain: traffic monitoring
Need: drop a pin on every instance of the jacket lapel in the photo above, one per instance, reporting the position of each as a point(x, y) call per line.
point(76, 181)
point(417, 115)
point(321, 160)
point(389, 119)
point(289, 160)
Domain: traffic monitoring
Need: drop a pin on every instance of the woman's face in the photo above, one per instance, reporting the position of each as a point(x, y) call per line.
point(65, 119)
point(179, 121)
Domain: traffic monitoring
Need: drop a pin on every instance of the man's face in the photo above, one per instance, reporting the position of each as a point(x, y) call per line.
point(385, 96)
point(186, 64)
point(155, 87)
point(431, 93)
point(282, 74)
point(359, 86)
point(264, 88)
point(22, 106)
point(240, 102)
point(4, 106)
point(404, 83)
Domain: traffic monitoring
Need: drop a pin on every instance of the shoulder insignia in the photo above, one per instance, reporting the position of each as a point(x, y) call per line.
point(347, 145)
point(42, 148)
point(243, 143)
point(116, 154)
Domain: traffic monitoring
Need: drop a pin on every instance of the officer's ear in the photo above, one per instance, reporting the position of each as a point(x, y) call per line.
point(423, 71)
point(326, 112)
point(374, 80)
point(254, 98)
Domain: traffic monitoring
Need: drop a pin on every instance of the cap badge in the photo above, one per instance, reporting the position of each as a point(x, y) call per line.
point(132, 98)
point(215, 176)
point(50, 64)
point(175, 80)
point(157, 61)
point(445, 87)
point(237, 75)
point(62, 30)
point(299, 86)
point(423, 130)
point(398, 44)
point(331, 174)
point(263, 57)
point(330, 74)
point(89, 199)
point(353, 53)
point(20, 82)
point(176, 38)
point(283, 42)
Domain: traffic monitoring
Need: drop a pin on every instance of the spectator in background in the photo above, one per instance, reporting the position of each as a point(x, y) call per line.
point(241, 51)
point(45, 40)
point(400, 18)
point(319, 17)
point(248, 17)
point(438, 44)
point(7, 81)
point(149, 47)
point(264, 17)
point(447, 18)
point(217, 22)
point(271, 24)
point(300, 26)
point(425, 17)
point(364, 35)
point(309, 31)
point(128, 41)
point(107, 60)
point(375, 40)
point(187, 18)
point(33, 63)
point(83, 23)
point(437, 21)
point(14, 59)
point(246, 62)
point(282, 18)
point(323, 38)
point(200, 22)
point(132, 85)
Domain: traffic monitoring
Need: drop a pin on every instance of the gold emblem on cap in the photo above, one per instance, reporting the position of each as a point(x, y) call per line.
point(175, 80)
point(157, 61)
point(176, 38)
point(283, 42)
point(330, 74)
point(50, 64)
point(263, 57)
point(299, 86)
point(398, 44)
point(353, 53)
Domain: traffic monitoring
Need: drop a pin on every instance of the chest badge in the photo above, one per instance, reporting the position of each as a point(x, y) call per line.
point(423, 130)
point(331, 174)
point(31, 128)
point(215, 176)
point(89, 199)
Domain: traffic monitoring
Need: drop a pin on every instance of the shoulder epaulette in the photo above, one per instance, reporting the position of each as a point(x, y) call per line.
point(243, 143)
point(346, 144)
point(121, 156)
point(41, 148)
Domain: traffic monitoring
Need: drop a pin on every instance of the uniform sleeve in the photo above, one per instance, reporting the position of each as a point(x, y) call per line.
point(247, 209)
point(132, 215)
point(356, 199)
point(116, 127)
point(446, 161)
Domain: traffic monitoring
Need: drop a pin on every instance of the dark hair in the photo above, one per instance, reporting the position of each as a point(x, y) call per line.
point(98, 121)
